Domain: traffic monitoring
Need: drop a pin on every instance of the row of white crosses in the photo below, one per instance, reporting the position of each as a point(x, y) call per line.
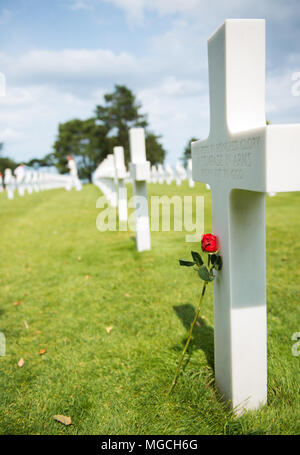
point(242, 160)
point(110, 177)
point(30, 181)
point(120, 168)
point(158, 174)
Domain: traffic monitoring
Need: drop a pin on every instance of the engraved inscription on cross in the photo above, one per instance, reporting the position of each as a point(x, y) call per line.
point(242, 160)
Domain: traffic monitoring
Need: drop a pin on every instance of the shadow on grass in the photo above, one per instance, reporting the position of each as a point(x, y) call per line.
point(203, 335)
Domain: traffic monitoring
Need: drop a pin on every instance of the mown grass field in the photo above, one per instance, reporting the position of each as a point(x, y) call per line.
point(74, 282)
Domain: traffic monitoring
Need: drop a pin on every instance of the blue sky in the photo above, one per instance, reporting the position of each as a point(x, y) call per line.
point(60, 56)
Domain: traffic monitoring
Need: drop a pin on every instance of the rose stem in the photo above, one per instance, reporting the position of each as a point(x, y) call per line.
point(189, 338)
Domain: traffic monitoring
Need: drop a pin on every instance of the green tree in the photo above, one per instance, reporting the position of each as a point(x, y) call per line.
point(48, 160)
point(86, 140)
point(120, 112)
point(187, 153)
point(91, 140)
point(6, 162)
point(154, 150)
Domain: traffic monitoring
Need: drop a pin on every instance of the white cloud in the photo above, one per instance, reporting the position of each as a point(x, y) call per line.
point(134, 9)
point(29, 121)
point(280, 100)
point(80, 5)
point(178, 109)
point(7, 134)
point(45, 87)
point(16, 97)
point(171, 87)
point(68, 65)
point(204, 10)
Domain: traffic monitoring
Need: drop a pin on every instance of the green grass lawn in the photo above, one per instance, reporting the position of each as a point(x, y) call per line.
point(117, 383)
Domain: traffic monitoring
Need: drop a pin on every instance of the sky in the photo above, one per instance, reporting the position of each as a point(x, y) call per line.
point(60, 56)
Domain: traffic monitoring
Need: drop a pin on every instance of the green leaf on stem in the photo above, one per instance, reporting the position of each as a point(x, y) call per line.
point(219, 263)
point(197, 258)
point(186, 263)
point(204, 274)
point(213, 258)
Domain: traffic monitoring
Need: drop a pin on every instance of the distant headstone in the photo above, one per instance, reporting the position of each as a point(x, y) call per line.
point(35, 181)
point(112, 180)
point(120, 175)
point(180, 173)
point(105, 178)
point(28, 182)
point(242, 160)
point(20, 178)
point(9, 183)
point(154, 174)
point(190, 173)
point(169, 174)
point(140, 173)
point(160, 173)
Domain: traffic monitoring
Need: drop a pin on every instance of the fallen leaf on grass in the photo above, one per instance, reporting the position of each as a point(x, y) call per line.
point(127, 294)
point(109, 329)
point(43, 351)
point(26, 325)
point(18, 302)
point(87, 277)
point(63, 419)
point(38, 332)
point(21, 363)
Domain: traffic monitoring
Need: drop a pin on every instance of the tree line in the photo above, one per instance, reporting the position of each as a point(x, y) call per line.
point(91, 140)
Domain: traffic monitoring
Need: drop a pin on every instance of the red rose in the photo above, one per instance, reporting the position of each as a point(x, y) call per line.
point(209, 243)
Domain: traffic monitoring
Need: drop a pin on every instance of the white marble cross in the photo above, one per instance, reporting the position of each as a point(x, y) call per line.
point(180, 173)
point(28, 182)
point(9, 182)
point(120, 175)
point(35, 181)
point(160, 173)
point(20, 178)
point(140, 173)
point(169, 174)
point(110, 180)
point(154, 174)
point(189, 171)
point(105, 179)
point(242, 160)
